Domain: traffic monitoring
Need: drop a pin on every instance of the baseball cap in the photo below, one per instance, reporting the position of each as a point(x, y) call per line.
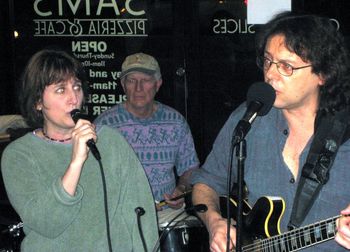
point(140, 62)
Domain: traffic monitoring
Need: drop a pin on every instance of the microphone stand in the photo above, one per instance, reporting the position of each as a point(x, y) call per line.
point(241, 153)
point(240, 144)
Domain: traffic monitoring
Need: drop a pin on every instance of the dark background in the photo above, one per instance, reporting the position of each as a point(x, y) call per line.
point(206, 71)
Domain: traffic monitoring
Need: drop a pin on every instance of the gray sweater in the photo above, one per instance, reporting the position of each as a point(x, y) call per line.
point(55, 221)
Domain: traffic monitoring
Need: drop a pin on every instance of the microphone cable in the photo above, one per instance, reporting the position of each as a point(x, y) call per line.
point(139, 212)
point(76, 115)
point(105, 200)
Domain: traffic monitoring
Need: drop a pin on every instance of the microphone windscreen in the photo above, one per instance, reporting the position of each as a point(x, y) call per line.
point(263, 93)
point(75, 114)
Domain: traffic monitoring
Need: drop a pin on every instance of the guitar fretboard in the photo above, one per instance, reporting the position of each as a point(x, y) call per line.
point(296, 239)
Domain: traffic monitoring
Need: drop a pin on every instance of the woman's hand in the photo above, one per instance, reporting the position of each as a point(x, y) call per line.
point(83, 132)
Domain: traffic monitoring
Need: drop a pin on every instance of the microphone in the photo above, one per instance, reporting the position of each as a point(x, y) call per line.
point(201, 208)
point(139, 212)
point(260, 98)
point(76, 115)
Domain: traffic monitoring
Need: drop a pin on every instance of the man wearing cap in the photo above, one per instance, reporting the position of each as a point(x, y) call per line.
point(159, 135)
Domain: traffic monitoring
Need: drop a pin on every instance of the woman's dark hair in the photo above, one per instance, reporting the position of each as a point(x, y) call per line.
point(44, 68)
point(317, 40)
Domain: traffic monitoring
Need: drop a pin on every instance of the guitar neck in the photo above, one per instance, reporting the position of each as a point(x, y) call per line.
point(296, 239)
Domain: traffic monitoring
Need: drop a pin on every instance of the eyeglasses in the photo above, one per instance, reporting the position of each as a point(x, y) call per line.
point(131, 81)
point(282, 67)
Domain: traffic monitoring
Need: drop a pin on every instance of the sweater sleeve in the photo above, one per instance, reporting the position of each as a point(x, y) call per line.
point(38, 198)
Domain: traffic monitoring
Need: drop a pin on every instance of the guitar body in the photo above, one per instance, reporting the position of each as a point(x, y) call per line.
point(261, 221)
point(261, 227)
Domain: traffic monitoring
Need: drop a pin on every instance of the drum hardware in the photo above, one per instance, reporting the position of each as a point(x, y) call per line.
point(15, 229)
point(183, 233)
point(14, 236)
point(185, 236)
point(167, 229)
point(4, 137)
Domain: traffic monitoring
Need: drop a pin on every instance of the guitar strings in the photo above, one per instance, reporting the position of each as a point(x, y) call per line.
point(273, 242)
point(285, 238)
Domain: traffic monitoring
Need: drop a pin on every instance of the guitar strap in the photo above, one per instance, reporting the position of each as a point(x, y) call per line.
point(331, 132)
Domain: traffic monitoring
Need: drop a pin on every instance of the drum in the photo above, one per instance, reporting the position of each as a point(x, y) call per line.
point(185, 234)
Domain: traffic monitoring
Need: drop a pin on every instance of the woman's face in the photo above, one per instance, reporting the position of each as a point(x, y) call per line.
point(58, 100)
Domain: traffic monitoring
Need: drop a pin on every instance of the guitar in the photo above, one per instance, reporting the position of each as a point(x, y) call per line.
point(262, 227)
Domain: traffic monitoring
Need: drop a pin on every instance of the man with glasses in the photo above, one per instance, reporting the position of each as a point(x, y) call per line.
point(283, 68)
point(159, 135)
point(304, 58)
